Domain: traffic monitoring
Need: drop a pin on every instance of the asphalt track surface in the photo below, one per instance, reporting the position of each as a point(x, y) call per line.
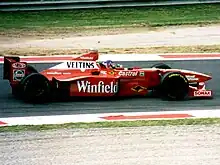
point(10, 107)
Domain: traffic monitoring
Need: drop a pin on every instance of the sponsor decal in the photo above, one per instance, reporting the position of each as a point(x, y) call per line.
point(53, 73)
point(18, 65)
point(112, 73)
point(103, 72)
point(101, 87)
point(59, 73)
point(128, 73)
point(191, 78)
point(18, 74)
point(66, 73)
point(76, 65)
point(80, 64)
point(86, 58)
point(138, 88)
point(202, 93)
point(141, 74)
point(179, 75)
point(171, 75)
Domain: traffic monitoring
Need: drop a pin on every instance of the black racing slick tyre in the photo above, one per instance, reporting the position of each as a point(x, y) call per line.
point(174, 86)
point(16, 91)
point(35, 88)
point(31, 69)
point(161, 66)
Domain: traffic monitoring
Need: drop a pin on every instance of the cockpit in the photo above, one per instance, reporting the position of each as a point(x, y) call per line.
point(110, 65)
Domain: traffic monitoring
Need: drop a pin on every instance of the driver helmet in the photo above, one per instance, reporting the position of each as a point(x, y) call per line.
point(108, 63)
point(111, 64)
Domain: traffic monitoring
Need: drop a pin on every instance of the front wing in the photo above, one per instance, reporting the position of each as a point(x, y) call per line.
point(199, 91)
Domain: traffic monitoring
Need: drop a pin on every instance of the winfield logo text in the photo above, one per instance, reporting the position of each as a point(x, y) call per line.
point(101, 87)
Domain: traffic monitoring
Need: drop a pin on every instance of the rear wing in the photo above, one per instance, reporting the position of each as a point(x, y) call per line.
point(13, 69)
point(92, 55)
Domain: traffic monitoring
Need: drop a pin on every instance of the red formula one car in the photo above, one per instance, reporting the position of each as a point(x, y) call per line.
point(85, 76)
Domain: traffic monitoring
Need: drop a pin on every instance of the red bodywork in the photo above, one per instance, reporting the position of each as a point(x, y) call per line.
point(83, 76)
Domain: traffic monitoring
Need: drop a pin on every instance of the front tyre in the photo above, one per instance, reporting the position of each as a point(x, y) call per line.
point(35, 88)
point(174, 86)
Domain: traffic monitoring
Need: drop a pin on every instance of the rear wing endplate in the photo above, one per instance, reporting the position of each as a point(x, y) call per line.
point(8, 60)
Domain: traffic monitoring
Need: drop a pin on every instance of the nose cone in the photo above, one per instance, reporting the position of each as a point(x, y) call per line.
point(208, 76)
point(196, 76)
point(204, 77)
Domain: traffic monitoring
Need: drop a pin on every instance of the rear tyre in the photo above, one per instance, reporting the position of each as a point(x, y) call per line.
point(174, 86)
point(35, 88)
point(161, 66)
point(31, 69)
point(16, 91)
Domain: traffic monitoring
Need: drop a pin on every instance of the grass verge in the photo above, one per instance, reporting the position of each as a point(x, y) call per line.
point(140, 123)
point(146, 50)
point(71, 20)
